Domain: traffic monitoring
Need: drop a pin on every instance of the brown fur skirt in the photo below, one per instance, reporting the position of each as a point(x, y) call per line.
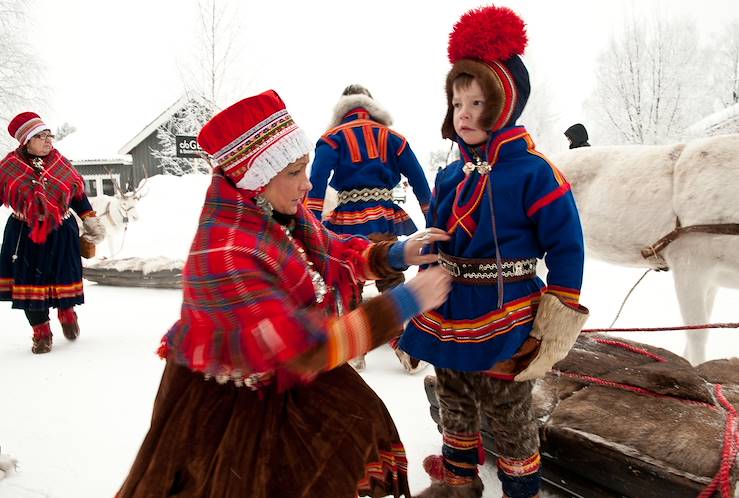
point(332, 438)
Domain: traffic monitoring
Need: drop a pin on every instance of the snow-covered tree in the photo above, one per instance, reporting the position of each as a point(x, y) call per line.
point(539, 117)
point(724, 69)
point(206, 81)
point(439, 158)
point(20, 71)
point(650, 82)
point(207, 73)
point(63, 130)
point(187, 121)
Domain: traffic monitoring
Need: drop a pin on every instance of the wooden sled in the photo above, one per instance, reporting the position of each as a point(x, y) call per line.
point(625, 419)
point(134, 272)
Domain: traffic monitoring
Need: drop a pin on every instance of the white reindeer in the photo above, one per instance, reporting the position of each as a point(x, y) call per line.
point(116, 212)
point(630, 197)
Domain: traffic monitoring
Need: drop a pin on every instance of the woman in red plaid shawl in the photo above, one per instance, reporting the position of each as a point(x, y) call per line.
point(40, 265)
point(256, 399)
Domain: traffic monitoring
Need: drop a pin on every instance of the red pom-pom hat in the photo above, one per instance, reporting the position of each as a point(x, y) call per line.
point(490, 38)
point(487, 34)
point(253, 140)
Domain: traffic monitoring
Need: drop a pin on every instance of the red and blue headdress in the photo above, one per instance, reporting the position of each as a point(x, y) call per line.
point(254, 139)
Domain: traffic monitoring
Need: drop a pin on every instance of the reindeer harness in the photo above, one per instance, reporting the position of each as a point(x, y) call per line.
point(123, 212)
point(653, 250)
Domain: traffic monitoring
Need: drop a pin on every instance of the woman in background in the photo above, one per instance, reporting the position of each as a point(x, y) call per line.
point(40, 265)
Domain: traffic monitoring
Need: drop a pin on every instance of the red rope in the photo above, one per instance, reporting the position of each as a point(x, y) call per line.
point(731, 325)
point(632, 348)
point(722, 480)
point(728, 455)
point(629, 387)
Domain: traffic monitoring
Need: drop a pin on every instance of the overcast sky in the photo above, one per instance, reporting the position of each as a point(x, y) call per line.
point(112, 67)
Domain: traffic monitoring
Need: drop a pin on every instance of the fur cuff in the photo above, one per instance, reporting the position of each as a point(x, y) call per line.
point(557, 325)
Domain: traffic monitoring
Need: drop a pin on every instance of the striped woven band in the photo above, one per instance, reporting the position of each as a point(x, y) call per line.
point(255, 157)
point(29, 129)
point(509, 90)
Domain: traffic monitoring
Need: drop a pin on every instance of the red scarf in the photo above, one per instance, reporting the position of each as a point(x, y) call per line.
point(40, 195)
point(248, 301)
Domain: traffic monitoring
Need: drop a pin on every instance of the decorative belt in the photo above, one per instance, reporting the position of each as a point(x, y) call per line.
point(364, 195)
point(253, 382)
point(22, 216)
point(484, 271)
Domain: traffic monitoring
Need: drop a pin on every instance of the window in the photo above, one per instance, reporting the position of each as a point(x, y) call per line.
point(108, 188)
point(97, 185)
point(91, 187)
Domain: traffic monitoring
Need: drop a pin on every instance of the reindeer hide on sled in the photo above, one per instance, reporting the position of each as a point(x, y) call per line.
point(627, 419)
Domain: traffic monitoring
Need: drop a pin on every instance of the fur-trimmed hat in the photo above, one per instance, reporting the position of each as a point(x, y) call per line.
point(356, 89)
point(25, 125)
point(253, 140)
point(485, 44)
point(358, 97)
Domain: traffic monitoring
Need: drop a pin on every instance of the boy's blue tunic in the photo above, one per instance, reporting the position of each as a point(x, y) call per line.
point(535, 217)
point(365, 154)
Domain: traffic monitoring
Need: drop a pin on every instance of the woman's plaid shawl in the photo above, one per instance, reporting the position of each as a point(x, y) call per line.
point(248, 300)
point(41, 198)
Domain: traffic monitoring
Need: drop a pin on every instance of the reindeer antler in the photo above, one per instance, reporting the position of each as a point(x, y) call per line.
point(116, 186)
point(141, 184)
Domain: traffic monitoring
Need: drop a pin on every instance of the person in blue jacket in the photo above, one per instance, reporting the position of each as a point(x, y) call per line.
point(365, 159)
point(505, 206)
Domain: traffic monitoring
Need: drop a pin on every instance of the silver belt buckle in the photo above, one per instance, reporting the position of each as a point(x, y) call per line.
point(451, 267)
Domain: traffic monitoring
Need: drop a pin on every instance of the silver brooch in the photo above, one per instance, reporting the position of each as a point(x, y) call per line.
point(38, 163)
point(482, 167)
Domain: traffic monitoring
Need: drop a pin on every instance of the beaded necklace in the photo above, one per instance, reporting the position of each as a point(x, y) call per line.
point(319, 285)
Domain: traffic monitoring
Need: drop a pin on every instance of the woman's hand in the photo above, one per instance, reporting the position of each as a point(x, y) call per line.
point(416, 242)
point(94, 231)
point(430, 288)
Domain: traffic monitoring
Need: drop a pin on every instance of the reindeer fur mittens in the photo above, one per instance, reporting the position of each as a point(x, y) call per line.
point(557, 326)
point(94, 231)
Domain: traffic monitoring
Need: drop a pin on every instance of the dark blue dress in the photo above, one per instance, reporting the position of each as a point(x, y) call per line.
point(47, 275)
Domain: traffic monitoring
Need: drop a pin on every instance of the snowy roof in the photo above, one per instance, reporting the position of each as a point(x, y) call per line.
point(159, 121)
point(86, 146)
point(115, 160)
point(725, 120)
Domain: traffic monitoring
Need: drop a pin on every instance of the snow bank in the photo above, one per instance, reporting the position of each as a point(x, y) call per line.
point(168, 218)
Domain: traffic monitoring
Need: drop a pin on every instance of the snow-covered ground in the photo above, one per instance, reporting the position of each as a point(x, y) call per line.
point(75, 418)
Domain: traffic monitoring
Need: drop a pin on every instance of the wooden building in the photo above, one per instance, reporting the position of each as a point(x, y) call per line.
point(134, 161)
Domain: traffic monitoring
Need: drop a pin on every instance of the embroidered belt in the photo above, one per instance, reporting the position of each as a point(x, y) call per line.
point(485, 271)
point(253, 382)
point(22, 217)
point(364, 195)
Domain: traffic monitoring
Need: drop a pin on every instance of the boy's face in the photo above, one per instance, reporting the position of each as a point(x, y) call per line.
point(469, 104)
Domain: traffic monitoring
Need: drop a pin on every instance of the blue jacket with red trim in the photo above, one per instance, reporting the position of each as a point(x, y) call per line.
point(534, 217)
point(363, 153)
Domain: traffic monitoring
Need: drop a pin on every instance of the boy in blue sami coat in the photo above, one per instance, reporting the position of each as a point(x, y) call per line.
point(505, 206)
